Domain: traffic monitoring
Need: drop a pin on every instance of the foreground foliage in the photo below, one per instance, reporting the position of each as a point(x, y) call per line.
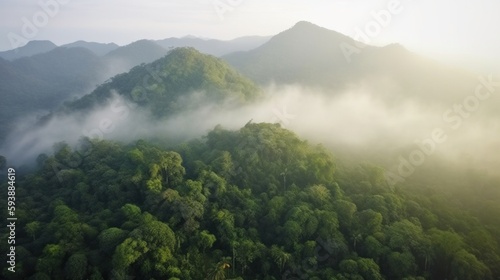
point(257, 203)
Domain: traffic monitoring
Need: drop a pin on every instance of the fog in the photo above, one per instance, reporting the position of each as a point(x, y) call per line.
point(356, 124)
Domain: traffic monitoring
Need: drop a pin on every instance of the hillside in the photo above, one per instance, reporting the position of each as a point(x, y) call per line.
point(160, 85)
point(215, 47)
point(124, 58)
point(40, 83)
point(256, 203)
point(31, 48)
point(133, 162)
point(310, 55)
point(99, 49)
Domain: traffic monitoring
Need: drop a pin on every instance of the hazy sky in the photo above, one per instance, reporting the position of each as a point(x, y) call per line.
point(464, 28)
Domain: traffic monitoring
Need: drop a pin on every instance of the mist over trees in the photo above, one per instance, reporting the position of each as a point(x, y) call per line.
point(257, 202)
point(271, 163)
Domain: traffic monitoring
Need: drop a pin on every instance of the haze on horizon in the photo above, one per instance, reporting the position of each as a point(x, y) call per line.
point(458, 31)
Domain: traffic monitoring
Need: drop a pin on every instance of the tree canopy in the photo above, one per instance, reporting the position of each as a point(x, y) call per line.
point(254, 203)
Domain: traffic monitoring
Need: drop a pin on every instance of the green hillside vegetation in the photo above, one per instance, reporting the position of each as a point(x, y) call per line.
point(257, 203)
point(160, 85)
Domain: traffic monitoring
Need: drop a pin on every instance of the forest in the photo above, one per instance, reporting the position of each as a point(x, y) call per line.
point(271, 162)
point(253, 203)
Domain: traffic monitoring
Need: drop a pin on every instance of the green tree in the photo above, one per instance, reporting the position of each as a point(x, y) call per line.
point(110, 238)
point(369, 269)
point(76, 267)
point(51, 260)
point(280, 257)
point(206, 240)
point(32, 228)
point(401, 264)
point(370, 222)
point(128, 252)
point(466, 266)
point(3, 162)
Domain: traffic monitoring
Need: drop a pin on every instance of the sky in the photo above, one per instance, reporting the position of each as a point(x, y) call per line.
point(448, 29)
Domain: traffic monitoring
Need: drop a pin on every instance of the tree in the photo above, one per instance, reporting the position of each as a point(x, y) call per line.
point(369, 269)
point(345, 212)
point(293, 232)
point(76, 267)
point(370, 221)
point(3, 162)
point(349, 266)
point(401, 264)
point(280, 256)
point(51, 259)
point(446, 244)
point(156, 234)
point(404, 235)
point(206, 240)
point(32, 228)
point(128, 252)
point(466, 266)
point(319, 194)
point(373, 248)
point(110, 238)
point(225, 225)
point(131, 212)
point(219, 272)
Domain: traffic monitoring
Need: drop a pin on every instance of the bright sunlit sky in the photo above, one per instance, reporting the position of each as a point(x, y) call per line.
point(464, 29)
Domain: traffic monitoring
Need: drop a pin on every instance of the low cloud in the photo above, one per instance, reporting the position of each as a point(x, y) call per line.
point(357, 122)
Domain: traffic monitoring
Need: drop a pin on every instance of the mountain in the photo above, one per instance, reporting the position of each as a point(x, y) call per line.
point(253, 203)
point(311, 55)
point(40, 83)
point(302, 54)
point(63, 66)
point(31, 48)
point(215, 47)
point(99, 49)
point(161, 84)
point(124, 58)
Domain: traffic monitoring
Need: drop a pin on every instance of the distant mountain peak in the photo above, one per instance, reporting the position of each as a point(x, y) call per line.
point(99, 49)
point(40, 42)
point(305, 28)
point(31, 48)
point(304, 23)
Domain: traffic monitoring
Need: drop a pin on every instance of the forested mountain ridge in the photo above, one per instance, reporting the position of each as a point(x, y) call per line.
point(257, 203)
point(159, 85)
point(41, 75)
point(253, 202)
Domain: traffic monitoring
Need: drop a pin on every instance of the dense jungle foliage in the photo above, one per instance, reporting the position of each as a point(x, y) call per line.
point(257, 203)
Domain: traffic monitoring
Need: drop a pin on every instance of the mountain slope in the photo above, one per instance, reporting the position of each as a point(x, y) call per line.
point(124, 58)
point(259, 200)
point(99, 49)
point(314, 56)
point(160, 84)
point(215, 47)
point(303, 54)
point(32, 48)
point(40, 83)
